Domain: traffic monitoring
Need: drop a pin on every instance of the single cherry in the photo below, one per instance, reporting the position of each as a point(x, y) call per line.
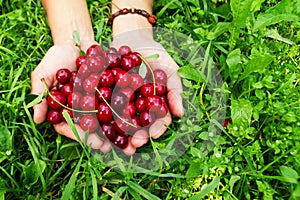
point(67, 89)
point(140, 104)
point(135, 58)
point(94, 50)
point(127, 63)
point(90, 83)
point(89, 122)
point(146, 118)
point(58, 98)
point(63, 75)
point(113, 60)
point(109, 130)
point(123, 79)
point(96, 63)
point(79, 61)
point(74, 99)
point(136, 81)
point(107, 78)
point(147, 90)
point(160, 76)
point(124, 50)
point(88, 102)
point(104, 113)
point(105, 93)
point(121, 141)
point(54, 117)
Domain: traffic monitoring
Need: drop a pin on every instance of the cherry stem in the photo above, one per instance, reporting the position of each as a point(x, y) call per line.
point(151, 71)
point(123, 120)
point(62, 105)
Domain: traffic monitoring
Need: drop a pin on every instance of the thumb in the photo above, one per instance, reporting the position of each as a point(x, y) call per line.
point(37, 87)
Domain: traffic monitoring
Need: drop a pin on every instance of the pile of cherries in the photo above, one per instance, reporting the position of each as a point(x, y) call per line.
point(108, 95)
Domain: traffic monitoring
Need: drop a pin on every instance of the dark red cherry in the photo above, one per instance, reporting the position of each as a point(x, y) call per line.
point(94, 50)
point(123, 124)
point(135, 58)
point(107, 78)
point(89, 122)
point(96, 64)
point(123, 79)
point(119, 101)
point(147, 90)
point(79, 61)
point(113, 60)
point(160, 89)
point(160, 76)
point(136, 81)
point(162, 111)
point(106, 94)
point(127, 63)
point(153, 103)
point(67, 89)
point(140, 104)
point(112, 50)
point(129, 110)
point(104, 113)
point(90, 83)
point(54, 117)
point(121, 141)
point(84, 71)
point(58, 98)
point(109, 130)
point(124, 50)
point(70, 112)
point(59, 86)
point(74, 99)
point(146, 118)
point(63, 75)
point(88, 102)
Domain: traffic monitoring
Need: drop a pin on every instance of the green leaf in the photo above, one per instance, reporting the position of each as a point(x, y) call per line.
point(258, 63)
point(291, 175)
point(76, 37)
point(234, 63)
point(137, 188)
point(218, 30)
point(2, 194)
point(71, 184)
point(232, 181)
point(210, 187)
point(286, 10)
point(119, 193)
point(191, 73)
point(143, 70)
point(6, 143)
point(194, 170)
point(275, 35)
point(152, 57)
point(33, 99)
point(31, 172)
point(241, 112)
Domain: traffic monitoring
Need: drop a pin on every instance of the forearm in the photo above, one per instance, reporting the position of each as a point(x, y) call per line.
point(67, 16)
point(130, 22)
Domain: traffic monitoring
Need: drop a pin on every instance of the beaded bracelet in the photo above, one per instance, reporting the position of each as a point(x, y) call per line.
point(150, 17)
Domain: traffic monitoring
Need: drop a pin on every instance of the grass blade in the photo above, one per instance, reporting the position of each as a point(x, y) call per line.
point(137, 188)
point(210, 187)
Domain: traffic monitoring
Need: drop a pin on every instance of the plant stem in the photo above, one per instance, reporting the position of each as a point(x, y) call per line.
point(151, 71)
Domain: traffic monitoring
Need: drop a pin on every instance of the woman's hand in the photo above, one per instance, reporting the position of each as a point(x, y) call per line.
point(146, 46)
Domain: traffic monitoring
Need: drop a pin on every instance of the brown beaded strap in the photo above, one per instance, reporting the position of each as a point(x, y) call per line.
point(150, 17)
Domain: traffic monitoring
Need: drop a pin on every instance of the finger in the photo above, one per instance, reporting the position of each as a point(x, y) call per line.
point(174, 95)
point(159, 126)
point(94, 141)
point(40, 110)
point(130, 149)
point(64, 129)
point(139, 138)
point(106, 146)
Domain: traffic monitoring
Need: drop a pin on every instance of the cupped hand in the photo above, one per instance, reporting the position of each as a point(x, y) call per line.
point(146, 46)
point(57, 57)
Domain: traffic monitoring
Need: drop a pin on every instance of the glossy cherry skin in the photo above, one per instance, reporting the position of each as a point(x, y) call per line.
point(121, 124)
point(127, 63)
point(70, 112)
point(63, 75)
point(136, 81)
point(160, 76)
point(160, 89)
point(162, 111)
point(112, 50)
point(109, 130)
point(119, 101)
point(124, 50)
point(67, 89)
point(59, 97)
point(88, 102)
point(146, 118)
point(153, 103)
point(84, 71)
point(147, 90)
point(89, 122)
point(121, 141)
point(123, 79)
point(94, 49)
point(140, 104)
point(105, 93)
point(104, 113)
point(79, 61)
point(54, 117)
point(113, 60)
point(129, 110)
point(74, 99)
point(135, 58)
point(96, 63)
point(90, 83)
point(128, 92)
point(107, 78)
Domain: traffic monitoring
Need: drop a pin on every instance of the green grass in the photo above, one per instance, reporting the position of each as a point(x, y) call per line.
point(256, 46)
